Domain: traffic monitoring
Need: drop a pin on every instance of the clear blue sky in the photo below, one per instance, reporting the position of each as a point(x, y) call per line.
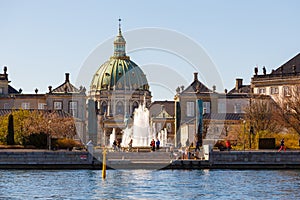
point(42, 40)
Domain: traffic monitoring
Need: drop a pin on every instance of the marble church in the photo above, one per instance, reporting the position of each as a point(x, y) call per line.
point(117, 88)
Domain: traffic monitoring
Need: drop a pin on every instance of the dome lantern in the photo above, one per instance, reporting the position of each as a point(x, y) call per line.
point(119, 44)
point(119, 72)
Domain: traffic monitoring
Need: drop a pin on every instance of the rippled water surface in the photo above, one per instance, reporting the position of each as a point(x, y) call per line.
point(147, 184)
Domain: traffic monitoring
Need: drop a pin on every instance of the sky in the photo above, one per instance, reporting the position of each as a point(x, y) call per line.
point(40, 41)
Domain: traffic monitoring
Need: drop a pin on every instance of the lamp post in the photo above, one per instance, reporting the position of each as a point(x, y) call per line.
point(49, 135)
point(244, 122)
point(251, 132)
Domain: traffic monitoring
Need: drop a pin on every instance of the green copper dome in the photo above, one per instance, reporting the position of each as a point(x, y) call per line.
point(119, 72)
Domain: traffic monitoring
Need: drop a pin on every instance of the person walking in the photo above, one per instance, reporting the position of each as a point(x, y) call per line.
point(152, 144)
point(282, 146)
point(115, 145)
point(130, 145)
point(157, 144)
point(228, 145)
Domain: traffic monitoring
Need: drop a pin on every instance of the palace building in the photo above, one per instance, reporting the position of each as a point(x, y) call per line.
point(66, 100)
point(280, 82)
point(119, 86)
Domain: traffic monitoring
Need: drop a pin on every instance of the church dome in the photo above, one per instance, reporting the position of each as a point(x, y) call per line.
point(119, 72)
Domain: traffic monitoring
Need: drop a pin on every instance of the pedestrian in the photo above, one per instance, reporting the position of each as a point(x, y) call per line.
point(130, 145)
point(228, 145)
point(115, 145)
point(152, 144)
point(197, 146)
point(282, 145)
point(118, 145)
point(157, 144)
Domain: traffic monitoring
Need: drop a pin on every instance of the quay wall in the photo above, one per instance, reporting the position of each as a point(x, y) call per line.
point(243, 160)
point(43, 159)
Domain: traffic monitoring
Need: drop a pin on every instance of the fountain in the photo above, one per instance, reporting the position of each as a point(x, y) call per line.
point(112, 137)
point(162, 136)
point(140, 131)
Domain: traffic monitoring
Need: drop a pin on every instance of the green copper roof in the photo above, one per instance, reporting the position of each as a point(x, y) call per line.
point(119, 72)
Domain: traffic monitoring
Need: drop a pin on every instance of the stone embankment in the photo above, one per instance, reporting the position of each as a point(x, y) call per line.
point(44, 159)
point(242, 160)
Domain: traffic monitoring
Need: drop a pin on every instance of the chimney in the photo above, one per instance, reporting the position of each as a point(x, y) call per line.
point(50, 89)
point(67, 77)
point(195, 76)
point(238, 83)
point(214, 88)
point(5, 72)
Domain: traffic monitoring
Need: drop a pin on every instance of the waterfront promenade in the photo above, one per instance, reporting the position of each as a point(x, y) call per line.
point(45, 159)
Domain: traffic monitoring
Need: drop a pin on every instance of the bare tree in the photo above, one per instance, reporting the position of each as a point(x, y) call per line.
point(289, 104)
point(262, 115)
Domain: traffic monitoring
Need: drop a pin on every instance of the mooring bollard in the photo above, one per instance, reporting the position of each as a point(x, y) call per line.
point(104, 164)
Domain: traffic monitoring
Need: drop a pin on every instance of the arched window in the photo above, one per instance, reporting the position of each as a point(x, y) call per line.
point(120, 108)
point(103, 107)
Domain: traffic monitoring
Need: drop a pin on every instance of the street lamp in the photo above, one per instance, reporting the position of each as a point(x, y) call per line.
point(251, 132)
point(49, 135)
point(244, 122)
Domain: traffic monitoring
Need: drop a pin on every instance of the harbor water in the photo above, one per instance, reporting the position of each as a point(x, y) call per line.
point(148, 184)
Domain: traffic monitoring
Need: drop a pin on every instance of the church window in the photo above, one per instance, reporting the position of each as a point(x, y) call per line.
point(120, 108)
point(1, 90)
point(103, 108)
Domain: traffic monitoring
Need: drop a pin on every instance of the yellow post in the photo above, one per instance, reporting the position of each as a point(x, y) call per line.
point(104, 164)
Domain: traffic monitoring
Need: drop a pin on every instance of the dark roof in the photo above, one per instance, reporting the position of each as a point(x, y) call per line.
point(291, 66)
point(12, 90)
point(196, 86)
point(242, 89)
point(67, 87)
point(60, 113)
point(156, 107)
point(222, 116)
point(218, 116)
point(289, 69)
